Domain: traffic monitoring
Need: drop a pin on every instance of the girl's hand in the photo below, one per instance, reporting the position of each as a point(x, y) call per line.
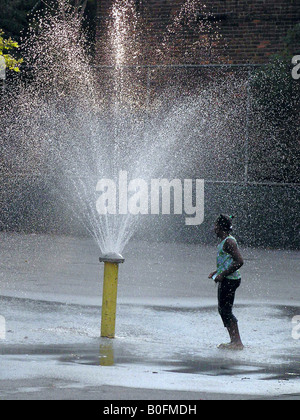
point(219, 278)
point(212, 274)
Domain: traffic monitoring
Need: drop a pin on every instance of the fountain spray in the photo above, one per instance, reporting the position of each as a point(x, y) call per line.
point(110, 291)
point(71, 124)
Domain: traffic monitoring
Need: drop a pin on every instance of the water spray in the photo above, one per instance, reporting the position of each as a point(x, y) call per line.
point(110, 292)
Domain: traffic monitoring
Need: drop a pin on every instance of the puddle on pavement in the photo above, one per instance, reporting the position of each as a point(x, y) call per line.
point(107, 356)
point(106, 353)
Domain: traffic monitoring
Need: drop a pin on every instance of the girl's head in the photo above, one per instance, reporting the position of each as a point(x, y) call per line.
point(223, 224)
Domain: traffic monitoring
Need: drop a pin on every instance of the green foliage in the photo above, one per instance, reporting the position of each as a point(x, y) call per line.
point(7, 45)
point(275, 106)
point(292, 42)
point(14, 16)
point(276, 91)
point(273, 86)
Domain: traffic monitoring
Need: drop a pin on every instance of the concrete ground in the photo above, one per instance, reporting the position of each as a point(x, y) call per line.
point(167, 324)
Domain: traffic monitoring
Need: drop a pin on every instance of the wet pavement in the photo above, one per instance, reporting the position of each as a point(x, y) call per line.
point(148, 344)
point(165, 346)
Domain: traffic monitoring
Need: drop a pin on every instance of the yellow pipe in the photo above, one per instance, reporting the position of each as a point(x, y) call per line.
point(110, 292)
point(107, 354)
point(109, 304)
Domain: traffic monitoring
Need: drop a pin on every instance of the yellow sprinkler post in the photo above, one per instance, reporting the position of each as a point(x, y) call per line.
point(110, 292)
point(107, 354)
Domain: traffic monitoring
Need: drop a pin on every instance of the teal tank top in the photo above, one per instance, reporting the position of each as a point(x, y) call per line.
point(224, 260)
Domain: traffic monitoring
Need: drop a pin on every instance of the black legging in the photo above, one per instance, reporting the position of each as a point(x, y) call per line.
point(226, 296)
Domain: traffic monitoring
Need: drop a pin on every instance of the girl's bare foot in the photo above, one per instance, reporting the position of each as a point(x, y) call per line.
point(231, 346)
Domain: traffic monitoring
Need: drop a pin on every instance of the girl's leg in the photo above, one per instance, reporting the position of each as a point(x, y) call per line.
point(234, 334)
point(226, 297)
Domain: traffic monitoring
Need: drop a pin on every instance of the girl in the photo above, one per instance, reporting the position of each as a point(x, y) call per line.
point(228, 278)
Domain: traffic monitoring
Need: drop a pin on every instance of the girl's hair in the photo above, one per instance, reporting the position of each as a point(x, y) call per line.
point(225, 222)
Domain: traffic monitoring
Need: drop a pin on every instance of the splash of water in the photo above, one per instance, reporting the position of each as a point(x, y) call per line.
point(77, 129)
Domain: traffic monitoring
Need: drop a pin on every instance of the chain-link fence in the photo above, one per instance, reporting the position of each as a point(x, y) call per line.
point(249, 166)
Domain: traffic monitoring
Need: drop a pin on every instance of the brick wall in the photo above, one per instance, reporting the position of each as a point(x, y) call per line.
point(255, 29)
point(251, 30)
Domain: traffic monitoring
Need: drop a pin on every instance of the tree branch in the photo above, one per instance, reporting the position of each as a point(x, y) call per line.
point(83, 7)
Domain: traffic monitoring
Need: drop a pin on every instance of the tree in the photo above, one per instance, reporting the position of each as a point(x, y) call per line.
point(14, 16)
point(275, 106)
point(85, 10)
point(274, 88)
point(6, 46)
point(78, 6)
